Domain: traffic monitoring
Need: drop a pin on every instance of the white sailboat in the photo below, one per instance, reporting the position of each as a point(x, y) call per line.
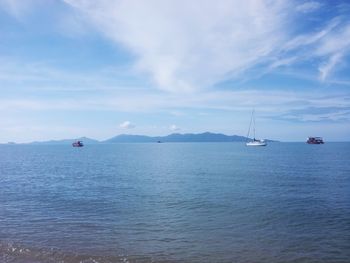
point(254, 142)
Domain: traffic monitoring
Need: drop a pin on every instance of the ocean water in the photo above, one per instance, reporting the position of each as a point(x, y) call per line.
point(175, 202)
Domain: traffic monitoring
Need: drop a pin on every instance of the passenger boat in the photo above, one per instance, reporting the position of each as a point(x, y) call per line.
point(315, 140)
point(77, 144)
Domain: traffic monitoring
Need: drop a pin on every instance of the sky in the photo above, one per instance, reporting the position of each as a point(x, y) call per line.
point(99, 68)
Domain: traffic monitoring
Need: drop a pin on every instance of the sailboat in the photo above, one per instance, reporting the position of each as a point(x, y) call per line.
point(254, 142)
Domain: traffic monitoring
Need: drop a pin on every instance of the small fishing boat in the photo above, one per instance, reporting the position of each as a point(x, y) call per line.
point(315, 140)
point(77, 144)
point(254, 142)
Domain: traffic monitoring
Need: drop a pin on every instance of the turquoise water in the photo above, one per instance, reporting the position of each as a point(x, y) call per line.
point(175, 202)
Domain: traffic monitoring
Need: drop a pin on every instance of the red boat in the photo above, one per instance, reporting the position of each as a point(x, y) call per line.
point(315, 140)
point(78, 144)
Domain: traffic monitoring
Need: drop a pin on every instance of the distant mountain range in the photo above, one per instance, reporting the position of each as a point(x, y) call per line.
point(175, 137)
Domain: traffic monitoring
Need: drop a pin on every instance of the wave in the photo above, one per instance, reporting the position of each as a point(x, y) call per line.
point(15, 253)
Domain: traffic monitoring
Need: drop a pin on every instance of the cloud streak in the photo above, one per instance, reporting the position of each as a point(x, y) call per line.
point(308, 7)
point(329, 45)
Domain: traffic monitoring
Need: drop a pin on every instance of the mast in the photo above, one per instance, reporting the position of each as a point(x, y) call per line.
point(250, 124)
point(253, 114)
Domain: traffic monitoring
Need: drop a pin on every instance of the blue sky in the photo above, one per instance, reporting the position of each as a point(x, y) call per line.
point(75, 68)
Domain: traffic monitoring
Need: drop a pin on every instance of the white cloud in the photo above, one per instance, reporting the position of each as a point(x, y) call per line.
point(326, 68)
point(191, 45)
point(127, 125)
point(311, 38)
point(188, 45)
point(329, 45)
point(173, 127)
point(333, 47)
point(336, 41)
point(308, 7)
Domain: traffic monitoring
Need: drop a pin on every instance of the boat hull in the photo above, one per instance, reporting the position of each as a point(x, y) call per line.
point(256, 143)
point(315, 140)
point(78, 144)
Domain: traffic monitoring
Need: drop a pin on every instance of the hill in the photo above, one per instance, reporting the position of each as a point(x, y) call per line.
point(177, 137)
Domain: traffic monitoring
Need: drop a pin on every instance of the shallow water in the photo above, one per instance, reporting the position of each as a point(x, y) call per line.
point(175, 202)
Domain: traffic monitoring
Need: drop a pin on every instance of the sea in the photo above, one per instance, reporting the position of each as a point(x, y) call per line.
point(175, 202)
